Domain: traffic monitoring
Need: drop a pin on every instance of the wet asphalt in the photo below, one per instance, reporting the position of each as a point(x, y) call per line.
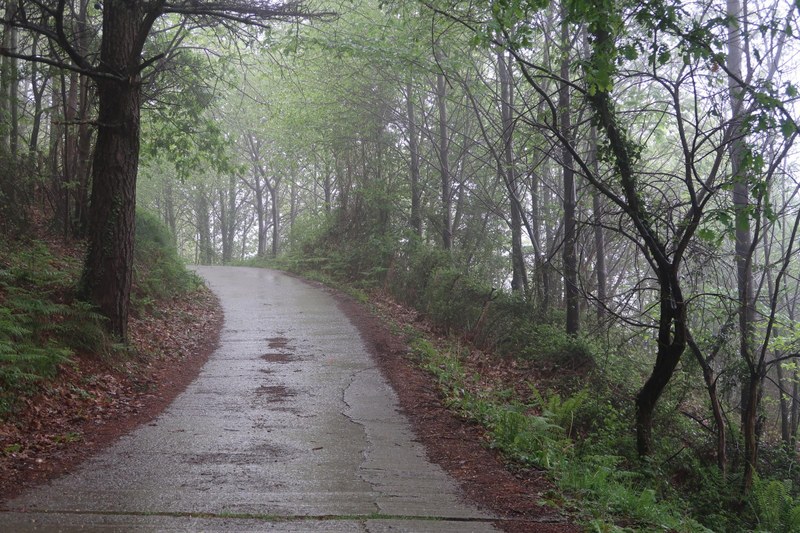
point(289, 427)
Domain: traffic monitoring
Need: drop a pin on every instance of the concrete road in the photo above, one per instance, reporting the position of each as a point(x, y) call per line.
point(289, 427)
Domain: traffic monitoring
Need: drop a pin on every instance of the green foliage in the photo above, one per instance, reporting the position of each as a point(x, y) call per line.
point(775, 507)
point(536, 434)
point(40, 326)
point(158, 271)
point(516, 335)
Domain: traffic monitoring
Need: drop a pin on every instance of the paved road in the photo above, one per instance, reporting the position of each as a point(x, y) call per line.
point(289, 427)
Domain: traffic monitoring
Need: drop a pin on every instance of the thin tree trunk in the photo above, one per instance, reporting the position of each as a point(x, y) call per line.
point(37, 90)
point(413, 148)
point(570, 259)
point(519, 276)
point(744, 274)
point(276, 220)
point(206, 250)
point(599, 235)
point(261, 217)
point(327, 186)
point(9, 87)
point(716, 406)
point(785, 413)
point(444, 165)
point(169, 209)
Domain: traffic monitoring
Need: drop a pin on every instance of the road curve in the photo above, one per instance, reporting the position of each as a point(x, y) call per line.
point(289, 427)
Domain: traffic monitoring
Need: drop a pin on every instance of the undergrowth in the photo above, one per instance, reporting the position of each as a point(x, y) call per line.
point(43, 325)
point(535, 434)
point(158, 271)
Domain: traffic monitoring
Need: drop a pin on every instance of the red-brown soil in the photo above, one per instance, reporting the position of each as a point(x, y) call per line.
point(93, 402)
point(457, 445)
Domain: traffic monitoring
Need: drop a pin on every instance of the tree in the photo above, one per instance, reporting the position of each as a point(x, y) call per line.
point(117, 72)
point(572, 296)
point(664, 213)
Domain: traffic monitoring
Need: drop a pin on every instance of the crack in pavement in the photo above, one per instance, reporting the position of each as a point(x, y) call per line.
point(261, 517)
point(370, 443)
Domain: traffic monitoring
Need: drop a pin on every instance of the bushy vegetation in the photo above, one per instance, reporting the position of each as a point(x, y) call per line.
point(159, 272)
point(42, 323)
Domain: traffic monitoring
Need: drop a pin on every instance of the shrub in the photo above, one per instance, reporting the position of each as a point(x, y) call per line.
point(158, 270)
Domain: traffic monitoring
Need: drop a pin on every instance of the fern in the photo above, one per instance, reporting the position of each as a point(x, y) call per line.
point(774, 505)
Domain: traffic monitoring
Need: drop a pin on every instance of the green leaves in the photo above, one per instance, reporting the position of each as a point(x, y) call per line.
point(788, 127)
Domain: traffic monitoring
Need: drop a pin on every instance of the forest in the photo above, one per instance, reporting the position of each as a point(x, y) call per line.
point(605, 191)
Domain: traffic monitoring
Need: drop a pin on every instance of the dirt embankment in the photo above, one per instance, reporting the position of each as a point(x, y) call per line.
point(93, 402)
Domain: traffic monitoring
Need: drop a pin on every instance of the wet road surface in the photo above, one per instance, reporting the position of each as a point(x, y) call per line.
point(289, 427)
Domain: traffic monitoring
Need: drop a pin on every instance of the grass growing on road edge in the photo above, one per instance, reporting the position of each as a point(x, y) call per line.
point(534, 434)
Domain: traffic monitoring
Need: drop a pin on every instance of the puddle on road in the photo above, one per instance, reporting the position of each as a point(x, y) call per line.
point(277, 357)
point(275, 393)
point(278, 342)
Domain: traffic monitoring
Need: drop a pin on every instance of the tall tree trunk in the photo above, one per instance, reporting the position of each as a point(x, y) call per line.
point(294, 205)
point(599, 235)
point(744, 275)
point(59, 201)
point(276, 219)
point(570, 256)
point(672, 323)
point(261, 216)
point(9, 87)
point(232, 212)
point(519, 276)
point(169, 209)
point(224, 222)
point(38, 85)
point(327, 187)
point(205, 248)
point(69, 166)
point(785, 413)
point(10, 184)
point(108, 268)
point(83, 168)
point(413, 148)
point(444, 164)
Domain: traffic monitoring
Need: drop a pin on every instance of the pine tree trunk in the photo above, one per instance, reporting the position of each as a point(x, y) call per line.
point(108, 269)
